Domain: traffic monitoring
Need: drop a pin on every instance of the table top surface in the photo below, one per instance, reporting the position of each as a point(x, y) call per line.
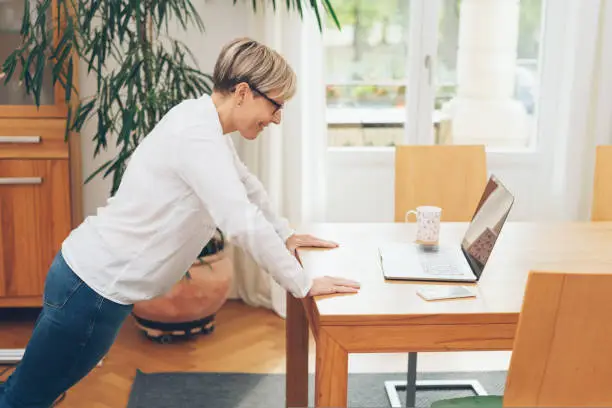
point(581, 247)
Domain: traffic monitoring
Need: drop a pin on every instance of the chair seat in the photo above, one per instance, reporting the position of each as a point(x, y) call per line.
point(484, 401)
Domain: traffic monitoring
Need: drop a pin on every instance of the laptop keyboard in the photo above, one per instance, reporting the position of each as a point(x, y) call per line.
point(443, 269)
point(439, 264)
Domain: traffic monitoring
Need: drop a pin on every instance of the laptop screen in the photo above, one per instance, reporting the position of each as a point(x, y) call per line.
point(487, 222)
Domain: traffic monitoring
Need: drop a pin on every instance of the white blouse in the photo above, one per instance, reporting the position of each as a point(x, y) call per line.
point(183, 180)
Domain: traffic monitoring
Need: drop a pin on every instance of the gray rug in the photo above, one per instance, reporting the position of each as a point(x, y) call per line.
point(236, 390)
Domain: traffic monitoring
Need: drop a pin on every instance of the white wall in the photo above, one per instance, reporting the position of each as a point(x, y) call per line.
point(223, 21)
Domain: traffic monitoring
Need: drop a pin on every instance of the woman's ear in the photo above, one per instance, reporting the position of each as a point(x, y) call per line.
point(241, 93)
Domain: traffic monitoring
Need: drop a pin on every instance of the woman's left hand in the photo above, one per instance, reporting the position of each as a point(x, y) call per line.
point(296, 241)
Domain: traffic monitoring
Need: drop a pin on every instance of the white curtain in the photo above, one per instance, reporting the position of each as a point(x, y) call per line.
point(584, 116)
point(599, 121)
point(289, 159)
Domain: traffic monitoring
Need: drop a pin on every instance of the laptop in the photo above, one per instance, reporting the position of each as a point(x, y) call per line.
point(464, 262)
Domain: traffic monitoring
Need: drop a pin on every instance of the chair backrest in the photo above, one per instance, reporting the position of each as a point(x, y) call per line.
point(602, 188)
point(562, 354)
point(450, 177)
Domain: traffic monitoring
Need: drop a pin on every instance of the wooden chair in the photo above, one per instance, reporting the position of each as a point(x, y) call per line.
point(562, 350)
point(450, 177)
point(602, 187)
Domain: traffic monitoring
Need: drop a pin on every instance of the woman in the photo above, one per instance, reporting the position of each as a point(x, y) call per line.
point(182, 181)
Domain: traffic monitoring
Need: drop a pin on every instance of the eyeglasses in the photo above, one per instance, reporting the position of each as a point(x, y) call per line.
point(277, 105)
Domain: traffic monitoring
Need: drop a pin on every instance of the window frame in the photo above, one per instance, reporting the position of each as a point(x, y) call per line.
point(423, 41)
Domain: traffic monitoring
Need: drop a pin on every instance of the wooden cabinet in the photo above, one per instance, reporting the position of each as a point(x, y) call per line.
point(32, 139)
point(35, 218)
point(36, 205)
point(40, 180)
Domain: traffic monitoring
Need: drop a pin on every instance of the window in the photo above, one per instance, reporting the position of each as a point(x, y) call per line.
point(455, 71)
point(366, 72)
point(486, 72)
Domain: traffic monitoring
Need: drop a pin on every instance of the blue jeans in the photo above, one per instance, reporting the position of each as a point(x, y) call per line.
point(73, 332)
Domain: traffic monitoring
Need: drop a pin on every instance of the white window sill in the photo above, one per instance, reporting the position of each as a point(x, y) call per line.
point(372, 116)
point(383, 155)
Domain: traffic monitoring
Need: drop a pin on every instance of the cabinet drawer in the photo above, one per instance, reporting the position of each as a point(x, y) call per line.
point(34, 220)
point(33, 138)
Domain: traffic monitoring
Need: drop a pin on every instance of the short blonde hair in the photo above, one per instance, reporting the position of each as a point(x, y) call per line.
point(246, 60)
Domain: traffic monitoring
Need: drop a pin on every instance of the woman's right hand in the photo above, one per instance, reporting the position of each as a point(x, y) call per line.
point(327, 285)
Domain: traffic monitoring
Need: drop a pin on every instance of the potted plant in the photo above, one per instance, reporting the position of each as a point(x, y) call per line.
point(153, 73)
point(190, 307)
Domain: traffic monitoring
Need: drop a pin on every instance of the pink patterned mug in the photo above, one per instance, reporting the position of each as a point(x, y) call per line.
point(428, 224)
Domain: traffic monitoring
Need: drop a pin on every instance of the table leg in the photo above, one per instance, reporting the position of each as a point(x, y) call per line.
point(331, 378)
point(411, 382)
point(296, 333)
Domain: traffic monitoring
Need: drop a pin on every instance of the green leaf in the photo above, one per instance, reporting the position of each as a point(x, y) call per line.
point(194, 16)
point(25, 22)
point(70, 85)
point(68, 121)
point(299, 7)
point(102, 130)
point(59, 65)
point(83, 113)
point(60, 46)
point(315, 6)
point(160, 18)
point(9, 65)
point(26, 63)
point(39, 76)
point(98, 170)
point(329, 8)
point(179, 14)
point(112, 17)
point(41, 11)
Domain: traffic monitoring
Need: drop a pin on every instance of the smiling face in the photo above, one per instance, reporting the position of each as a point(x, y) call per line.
point(256, 81)
point(255, 110)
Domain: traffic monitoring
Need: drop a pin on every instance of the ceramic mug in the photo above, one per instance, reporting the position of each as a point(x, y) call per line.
point(428, 224)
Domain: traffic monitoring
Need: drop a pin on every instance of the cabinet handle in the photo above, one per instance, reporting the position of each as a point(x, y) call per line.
point(20, 139)
point(20, 180)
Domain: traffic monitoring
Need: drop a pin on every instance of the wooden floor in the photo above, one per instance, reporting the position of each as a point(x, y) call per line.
point(245, 340)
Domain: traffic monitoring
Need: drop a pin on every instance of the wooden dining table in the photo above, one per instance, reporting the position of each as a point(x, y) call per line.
point(389, 317)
